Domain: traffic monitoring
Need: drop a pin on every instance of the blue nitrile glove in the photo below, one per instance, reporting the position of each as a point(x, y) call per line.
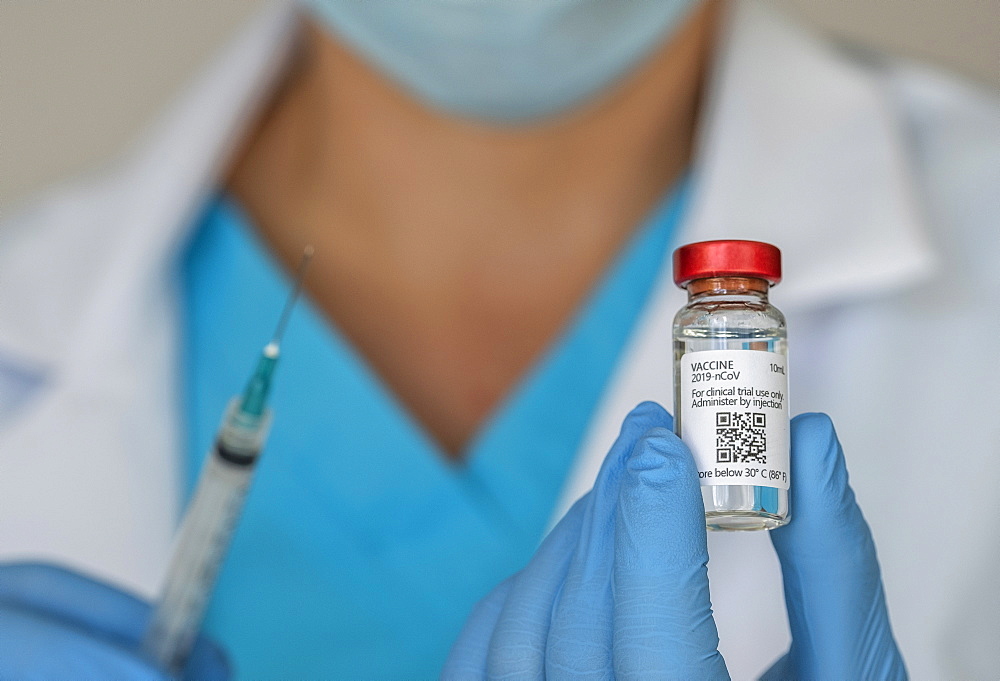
point(56, 624)
point(619, 589)
point(833, 590)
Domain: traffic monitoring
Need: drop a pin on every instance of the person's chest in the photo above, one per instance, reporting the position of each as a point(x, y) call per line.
point(454, 351)
point(356, 522)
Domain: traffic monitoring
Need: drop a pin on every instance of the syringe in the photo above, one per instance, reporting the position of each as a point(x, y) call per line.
point(215, 508)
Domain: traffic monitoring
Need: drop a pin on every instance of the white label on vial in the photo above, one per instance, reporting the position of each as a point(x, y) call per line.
point(734, 416)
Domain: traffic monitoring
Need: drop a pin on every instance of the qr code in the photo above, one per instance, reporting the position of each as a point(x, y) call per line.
point(740, 438)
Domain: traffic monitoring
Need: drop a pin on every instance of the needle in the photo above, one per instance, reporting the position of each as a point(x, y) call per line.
point(273, 347)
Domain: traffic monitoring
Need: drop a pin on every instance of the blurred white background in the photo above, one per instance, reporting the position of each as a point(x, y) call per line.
point(79, 79)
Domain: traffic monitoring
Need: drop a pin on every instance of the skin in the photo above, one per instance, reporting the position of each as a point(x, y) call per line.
point(452, 253)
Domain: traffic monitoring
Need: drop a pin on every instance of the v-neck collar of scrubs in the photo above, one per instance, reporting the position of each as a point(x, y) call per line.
point(350, 485)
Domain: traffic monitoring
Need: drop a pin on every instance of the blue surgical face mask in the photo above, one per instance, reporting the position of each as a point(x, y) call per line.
point(502, 60)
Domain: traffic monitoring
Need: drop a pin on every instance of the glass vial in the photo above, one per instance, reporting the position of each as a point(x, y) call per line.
point(731, 382)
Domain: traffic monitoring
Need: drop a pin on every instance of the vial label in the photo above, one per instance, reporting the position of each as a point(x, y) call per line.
point(734, 416)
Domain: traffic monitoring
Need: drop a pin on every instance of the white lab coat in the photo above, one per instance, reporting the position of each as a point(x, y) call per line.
point(879, 181)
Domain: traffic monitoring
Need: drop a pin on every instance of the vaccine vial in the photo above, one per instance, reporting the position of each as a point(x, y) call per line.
point(731, 382)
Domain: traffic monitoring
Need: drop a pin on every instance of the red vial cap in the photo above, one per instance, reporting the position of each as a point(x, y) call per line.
point(728, 258)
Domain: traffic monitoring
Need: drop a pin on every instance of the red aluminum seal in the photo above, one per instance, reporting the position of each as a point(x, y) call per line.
point(728, 258)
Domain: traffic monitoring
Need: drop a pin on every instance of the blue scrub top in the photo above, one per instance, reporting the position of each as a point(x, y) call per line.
point(362, 549)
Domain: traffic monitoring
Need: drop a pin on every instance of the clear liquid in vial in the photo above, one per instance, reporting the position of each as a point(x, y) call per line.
point(733, 507)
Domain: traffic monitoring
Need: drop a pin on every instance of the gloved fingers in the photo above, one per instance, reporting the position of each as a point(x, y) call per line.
point(580, 638)
point(595, 550)
point(75, 599)
point(516, 646)
point(467, 658)
point(645, 416)
point(833, 589)
point(36, 646)
point(208, 662)
point(69, 599)
point(511, 628)
point(663, 623)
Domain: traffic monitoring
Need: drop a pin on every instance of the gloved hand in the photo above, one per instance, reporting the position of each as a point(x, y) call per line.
point(619, 589)
point(833, 589)
point(55, 624)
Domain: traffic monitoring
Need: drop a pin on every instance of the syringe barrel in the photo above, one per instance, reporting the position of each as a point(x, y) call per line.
point(202, 543)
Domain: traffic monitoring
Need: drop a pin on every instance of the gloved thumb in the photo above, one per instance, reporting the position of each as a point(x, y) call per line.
point(74, 602)
point(663, 624)
point(833, 588)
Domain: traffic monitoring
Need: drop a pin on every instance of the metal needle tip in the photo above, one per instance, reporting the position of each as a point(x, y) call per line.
point(293, 296)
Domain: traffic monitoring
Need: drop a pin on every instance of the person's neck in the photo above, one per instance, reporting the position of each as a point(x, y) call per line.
point(344, 140)
point(426, 215)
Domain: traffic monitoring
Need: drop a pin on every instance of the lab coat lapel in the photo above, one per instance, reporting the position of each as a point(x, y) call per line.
point(800, 149)
point(102, 342)
point(177, 165)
